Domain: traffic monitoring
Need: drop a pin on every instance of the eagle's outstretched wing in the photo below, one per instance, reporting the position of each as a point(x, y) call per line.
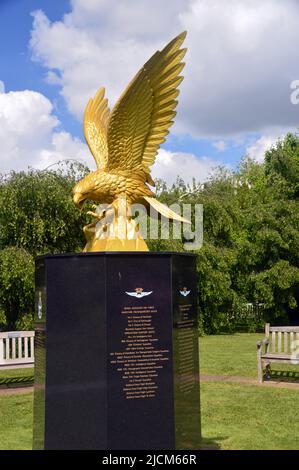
point(96, 119)
point(141, 117)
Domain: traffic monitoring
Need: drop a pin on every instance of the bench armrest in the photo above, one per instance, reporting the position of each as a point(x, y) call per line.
point(264, 342)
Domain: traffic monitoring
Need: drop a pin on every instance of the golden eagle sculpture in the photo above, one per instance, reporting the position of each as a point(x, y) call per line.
point(124, 144)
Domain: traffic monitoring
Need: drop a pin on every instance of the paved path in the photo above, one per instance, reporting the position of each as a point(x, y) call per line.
point(248, 381)
point(15, 390)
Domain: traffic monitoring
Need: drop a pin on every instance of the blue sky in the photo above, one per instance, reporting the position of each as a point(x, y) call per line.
point(18, 71)
point(235, 98)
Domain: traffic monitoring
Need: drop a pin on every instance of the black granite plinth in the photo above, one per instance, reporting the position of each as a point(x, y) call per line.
point(116, 352)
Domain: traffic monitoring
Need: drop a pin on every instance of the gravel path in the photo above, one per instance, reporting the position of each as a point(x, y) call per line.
point(15, 390)
point(248, 381)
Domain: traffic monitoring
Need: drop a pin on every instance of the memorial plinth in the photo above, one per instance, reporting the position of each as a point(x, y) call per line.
point(116, 352)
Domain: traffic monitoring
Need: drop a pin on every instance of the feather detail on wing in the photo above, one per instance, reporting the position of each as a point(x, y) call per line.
point(96, 118)
point(140, 120)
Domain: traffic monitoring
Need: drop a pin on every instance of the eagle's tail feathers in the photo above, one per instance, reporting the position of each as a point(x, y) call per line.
point(164, 210)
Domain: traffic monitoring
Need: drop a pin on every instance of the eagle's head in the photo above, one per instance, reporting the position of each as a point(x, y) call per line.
point(78, 198)
point(86, 189)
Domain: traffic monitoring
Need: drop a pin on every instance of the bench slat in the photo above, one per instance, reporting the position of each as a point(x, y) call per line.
point(295, 329)
point(7, 352)
point(273, 341)
point(13, 348)
point(279, 341)
point(276, 356)
point(26, 348)
point(32, 347)
point(19, 348)
point(285, 338)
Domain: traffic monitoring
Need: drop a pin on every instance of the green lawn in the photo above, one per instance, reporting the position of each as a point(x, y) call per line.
point(229, 354)
point(233, 355)
point(234, 416)
point(249, 417)
point(13, 377)
point(16, 421)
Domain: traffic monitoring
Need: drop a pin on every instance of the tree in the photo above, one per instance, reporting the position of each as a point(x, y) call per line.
point(251, 242)
point(37, 216)
point(37, 212)
point(282, 165)
point(16, 285)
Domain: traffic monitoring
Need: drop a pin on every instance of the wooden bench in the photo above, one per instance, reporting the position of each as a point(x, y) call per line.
point(281, 343)
point(16, 349)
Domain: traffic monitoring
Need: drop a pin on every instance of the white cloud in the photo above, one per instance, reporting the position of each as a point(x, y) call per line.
point(85, 62)
point(220, 145)
point(64, 146)
point(29, 134)
point(2, 87)
point(170, 165)
point(240, 63)
point(257, 149)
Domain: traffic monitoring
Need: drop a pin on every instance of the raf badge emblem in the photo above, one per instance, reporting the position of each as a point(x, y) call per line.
point(185, 292)
point(40, 306)
point(139, 293)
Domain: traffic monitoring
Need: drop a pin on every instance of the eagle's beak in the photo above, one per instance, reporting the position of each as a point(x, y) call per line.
point(78, 199)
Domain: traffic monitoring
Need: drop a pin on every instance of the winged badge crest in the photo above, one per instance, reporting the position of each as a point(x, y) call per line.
point(184, 292)
point(139, 293)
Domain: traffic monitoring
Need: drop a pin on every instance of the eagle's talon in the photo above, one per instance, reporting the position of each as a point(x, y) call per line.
point(97, 216)
point(94, 214)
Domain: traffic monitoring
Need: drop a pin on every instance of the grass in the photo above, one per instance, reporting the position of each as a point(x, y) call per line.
point(16, 377)
point(233, 355)
point(16, 421)
point(249, 417)
point(234, 416)
point(229, 354)
point(244, 417)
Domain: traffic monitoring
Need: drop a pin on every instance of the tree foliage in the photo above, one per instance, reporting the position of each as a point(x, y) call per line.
point(37, 212)
point(250, 254)
point(37, 216)
point(16, 286)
